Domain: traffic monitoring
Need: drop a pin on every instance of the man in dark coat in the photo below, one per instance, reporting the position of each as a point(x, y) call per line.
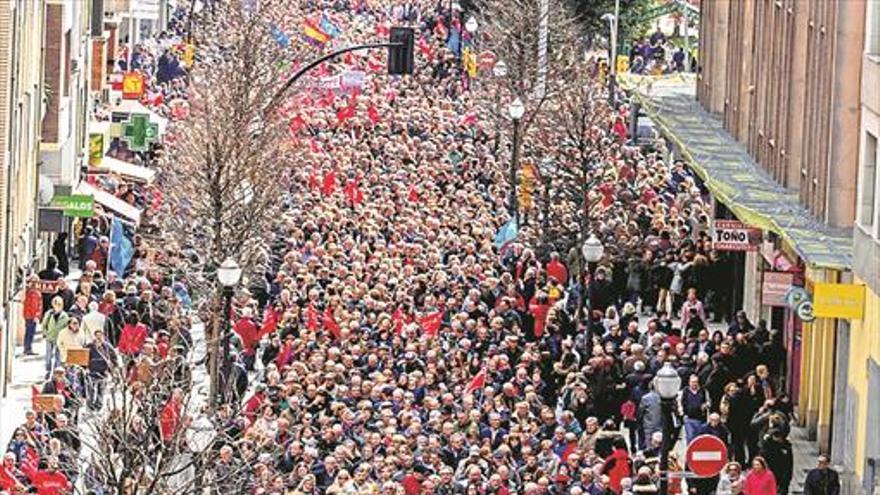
point(776, 449)
point(822, 480)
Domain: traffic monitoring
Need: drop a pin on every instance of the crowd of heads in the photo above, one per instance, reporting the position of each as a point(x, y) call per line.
point(389, 346)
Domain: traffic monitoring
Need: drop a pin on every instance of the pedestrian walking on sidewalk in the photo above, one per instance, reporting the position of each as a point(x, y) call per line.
point(33, 311)
point(55, 320)
point(822, 480)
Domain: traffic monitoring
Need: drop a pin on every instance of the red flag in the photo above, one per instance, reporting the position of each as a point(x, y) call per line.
point(270, 321)
point(329, 183)
point(478, 382)
point(469, 118)
point(311, 317)
point(353, 192)
point(413, 195)
point(373, 114)
point(330, 323)
point(398, 319)
point(425, 47)
point(296, 124)
point(348, 112)
point(431, 322)
point(375, 66)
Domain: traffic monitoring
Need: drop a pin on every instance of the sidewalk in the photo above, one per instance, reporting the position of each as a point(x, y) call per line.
point(26, 372)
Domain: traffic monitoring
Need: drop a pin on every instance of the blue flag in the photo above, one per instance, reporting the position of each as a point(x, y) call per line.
point(280, 36)
point(121, 247)
point(454, 42)
point(506, 234)
point(328, 27)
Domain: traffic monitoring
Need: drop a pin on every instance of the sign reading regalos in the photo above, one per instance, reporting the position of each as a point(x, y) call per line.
point(839, 301)
point(75, 205)
point(733, 235)
point(132, 85)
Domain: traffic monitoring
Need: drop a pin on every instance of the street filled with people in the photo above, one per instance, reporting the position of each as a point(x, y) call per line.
point(390, 343)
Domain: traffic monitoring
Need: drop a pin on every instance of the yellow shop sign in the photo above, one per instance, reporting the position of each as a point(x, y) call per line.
point(839, 301)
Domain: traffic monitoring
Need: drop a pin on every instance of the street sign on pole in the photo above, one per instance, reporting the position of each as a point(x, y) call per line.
point(706, 456)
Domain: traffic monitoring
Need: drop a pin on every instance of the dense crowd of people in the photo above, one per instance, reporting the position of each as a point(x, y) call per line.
point(388, 346)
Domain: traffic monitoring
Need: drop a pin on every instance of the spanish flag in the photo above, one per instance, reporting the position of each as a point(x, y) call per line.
point(314, 35)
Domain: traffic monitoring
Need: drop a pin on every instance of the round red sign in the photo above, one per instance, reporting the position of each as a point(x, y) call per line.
point(706, 456)
point(486, 60)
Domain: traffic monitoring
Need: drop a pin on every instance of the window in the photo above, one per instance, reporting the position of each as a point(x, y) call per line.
point(873, 43)
point(868, 202)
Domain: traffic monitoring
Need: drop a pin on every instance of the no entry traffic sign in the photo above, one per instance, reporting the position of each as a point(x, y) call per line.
point(706, 456)
point(486, 60)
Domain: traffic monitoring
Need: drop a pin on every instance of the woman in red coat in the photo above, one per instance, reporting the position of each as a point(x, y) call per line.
point(134, 333)
point(617, 465)
point(760, 480)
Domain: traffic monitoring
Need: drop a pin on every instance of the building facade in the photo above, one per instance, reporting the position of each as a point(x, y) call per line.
point(863, 355)
point(785, 78)
point(22, 100)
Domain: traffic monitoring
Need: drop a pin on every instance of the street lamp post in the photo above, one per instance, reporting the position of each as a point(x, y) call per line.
point(613, 25)
point(500, 69)
point(516, 110)
point(592, 250)
point(228, 275)
point(667, 383)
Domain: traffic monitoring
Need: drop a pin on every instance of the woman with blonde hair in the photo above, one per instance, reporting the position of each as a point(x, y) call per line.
point(731, 480)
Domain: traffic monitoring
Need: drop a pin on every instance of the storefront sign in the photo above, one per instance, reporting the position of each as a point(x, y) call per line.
point(805, 312)
point(75, 205)
point(733, 235)
point(839, 300)
point(775, 287)
point(132, 85)
point(96, 149)
point(139, 133)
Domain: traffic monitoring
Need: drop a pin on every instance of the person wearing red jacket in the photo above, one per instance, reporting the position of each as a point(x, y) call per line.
point(557, 269)
point(617, 465)
point(33, 311)
point(133, 336)
point(249, 333)
point(50, 481)
point(169, 418)
point(760, 480)
point(9, 475)
point(538, 308)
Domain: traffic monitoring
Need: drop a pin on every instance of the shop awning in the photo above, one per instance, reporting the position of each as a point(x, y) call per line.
point(733, 176)
point(127, 170)
point(110, 201)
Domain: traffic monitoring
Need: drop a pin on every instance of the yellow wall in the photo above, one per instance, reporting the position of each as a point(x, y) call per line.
point(817, 369)
point(864, 344)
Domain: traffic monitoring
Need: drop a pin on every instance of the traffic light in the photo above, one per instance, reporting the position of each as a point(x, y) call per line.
point(400, 57)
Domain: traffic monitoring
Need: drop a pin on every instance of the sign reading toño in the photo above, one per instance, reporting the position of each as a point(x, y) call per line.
point(733, 235)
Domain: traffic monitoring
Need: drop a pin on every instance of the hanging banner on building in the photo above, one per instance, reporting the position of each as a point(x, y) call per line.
point(839, 301)
point(132, 85)
point(47, 286)
point(775, 287)
point(733, 235)
point(96, 149)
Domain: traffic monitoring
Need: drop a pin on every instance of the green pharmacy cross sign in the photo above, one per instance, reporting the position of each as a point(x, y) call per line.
point(139, 132)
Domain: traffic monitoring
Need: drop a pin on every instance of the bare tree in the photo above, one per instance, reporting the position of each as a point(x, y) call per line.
point(153, 434)
point(225, 171)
